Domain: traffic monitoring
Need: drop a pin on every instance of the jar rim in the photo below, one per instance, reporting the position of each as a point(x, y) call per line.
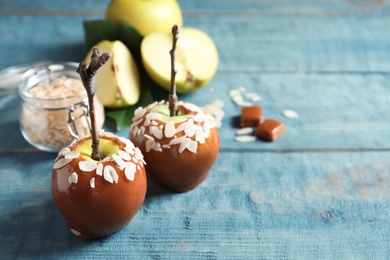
point(47, 69)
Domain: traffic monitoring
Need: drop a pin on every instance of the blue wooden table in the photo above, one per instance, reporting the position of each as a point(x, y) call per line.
point(321, 191)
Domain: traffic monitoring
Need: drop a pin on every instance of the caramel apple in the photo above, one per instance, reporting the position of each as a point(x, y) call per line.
point(98, 198)
point(98, 182)
point(179, 140)
point(179, 150)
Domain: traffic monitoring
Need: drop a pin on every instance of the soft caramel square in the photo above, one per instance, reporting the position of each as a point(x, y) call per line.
point(251, 116)
point(270, 130)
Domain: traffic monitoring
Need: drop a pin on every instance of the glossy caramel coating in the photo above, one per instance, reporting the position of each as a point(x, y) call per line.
point(180, 171)
point(102, 210)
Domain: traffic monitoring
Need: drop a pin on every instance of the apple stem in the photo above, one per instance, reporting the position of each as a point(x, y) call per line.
point(87, 74)
point(172, 90)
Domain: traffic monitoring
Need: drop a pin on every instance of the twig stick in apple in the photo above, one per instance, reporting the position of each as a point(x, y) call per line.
point(87, 74)
point(172, 90)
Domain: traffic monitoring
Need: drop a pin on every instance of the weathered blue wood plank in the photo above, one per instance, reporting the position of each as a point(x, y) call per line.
point(326, 205)
point(205, 8)
point(292, 44)
point(30, 39)
point(299, 44)
point(319, 192)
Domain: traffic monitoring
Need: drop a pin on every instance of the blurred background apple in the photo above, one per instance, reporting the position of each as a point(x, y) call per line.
point(146, 16)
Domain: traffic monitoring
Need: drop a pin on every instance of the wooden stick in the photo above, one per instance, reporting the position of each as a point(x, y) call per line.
point(172, 90)
point(87, 74)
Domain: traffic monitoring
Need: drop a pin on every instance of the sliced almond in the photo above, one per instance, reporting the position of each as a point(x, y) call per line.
point(290, 113)
point(200, 136)
point(99, 169)
point(118, 160)
point(61, 163)
point(147, 122)
point(169, 130)
point(124, 155)
point(157, 132)
point(166, 146)
point(138, 113)
point(149, 145)
point(192, 146)
point(245, 138)
point(153, 116)
point(72, 155)
point(244, 131)
point(87, 166)
point(184, 144)
point(130, 171)
point(129, 150)
point(110, 174)
point(107, 159)
point(73, 178)
point(149, 137)
point(177, 140)
point(64, 151)
point(190, 132)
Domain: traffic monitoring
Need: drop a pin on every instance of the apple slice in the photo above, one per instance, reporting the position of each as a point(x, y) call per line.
point(118, 81)
point(196, 59)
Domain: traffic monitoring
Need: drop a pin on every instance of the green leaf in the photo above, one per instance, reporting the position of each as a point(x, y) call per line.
point(122, 117)
point(98, 30)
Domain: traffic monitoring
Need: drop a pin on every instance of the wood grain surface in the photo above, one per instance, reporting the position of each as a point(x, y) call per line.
point(321, 191)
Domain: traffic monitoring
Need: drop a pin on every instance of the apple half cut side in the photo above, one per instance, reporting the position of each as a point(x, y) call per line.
point(179, 150)
point(118, 81)
point(196, 59)
point(98, 198)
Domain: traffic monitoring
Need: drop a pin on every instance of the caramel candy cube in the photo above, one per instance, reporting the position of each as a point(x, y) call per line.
point(251, 116)
point(270, 130)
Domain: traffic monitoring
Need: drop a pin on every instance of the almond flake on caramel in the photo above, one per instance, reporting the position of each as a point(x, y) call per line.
point(61, 163)
point(130, 171)
point(110, 175)
point(73, 178)
point(87, 166)
point(124, 155)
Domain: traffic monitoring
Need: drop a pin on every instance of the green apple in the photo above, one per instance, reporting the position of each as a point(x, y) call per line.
point(146, 16)
point(118, 81)
point(196, 59)
point(107, 147)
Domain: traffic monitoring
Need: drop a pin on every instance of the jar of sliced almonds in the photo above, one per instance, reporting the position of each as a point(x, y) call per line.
point(54, 109)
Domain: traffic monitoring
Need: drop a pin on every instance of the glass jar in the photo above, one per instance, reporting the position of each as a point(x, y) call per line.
point(54, 106)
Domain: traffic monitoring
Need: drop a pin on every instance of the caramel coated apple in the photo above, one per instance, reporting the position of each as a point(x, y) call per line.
point(98, 198)
point(179, 150)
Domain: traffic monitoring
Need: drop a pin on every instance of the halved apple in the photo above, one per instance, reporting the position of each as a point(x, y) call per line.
point(118, 81)
point(196, 59)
